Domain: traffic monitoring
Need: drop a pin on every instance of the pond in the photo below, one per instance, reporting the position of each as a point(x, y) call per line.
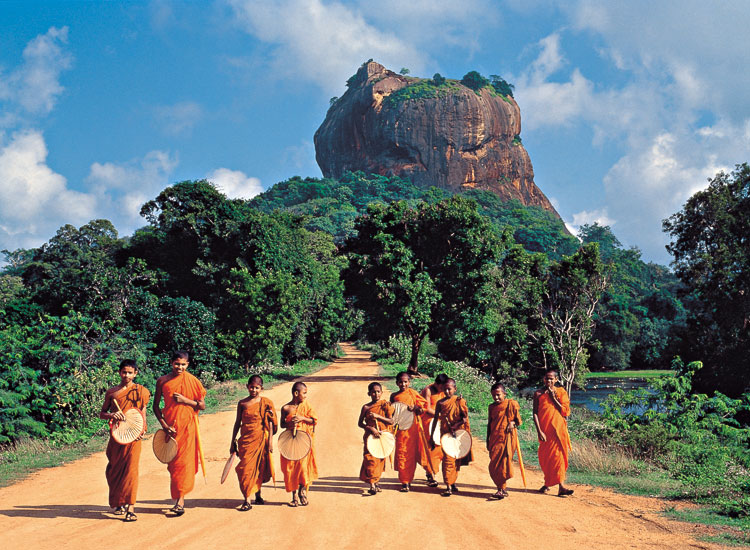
point(599, 388)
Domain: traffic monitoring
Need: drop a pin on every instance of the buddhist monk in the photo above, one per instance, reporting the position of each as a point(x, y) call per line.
point(184, 396)
point(256, 418)
point(299, 474)
point(122, 468)
point(374, 418)
point(452, 414)
point(412, 442)
point(551, 412)
point(433, 454)
point(503, 416)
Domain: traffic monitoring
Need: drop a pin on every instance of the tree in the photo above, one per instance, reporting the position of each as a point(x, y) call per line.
point(572, 290)
point(474, 80)
point(711, 249)
point(438, 79)
point(404, 71)
point(501, 85)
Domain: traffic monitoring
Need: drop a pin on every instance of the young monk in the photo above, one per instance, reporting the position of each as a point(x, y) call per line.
point(433, 453)
point(551, 411)
point(411, 443)
point(452, 414)
point(503, 416)
point(256, 417)
point(374, 418)
point(122, 469)
point(299, 474)
point(183, 397)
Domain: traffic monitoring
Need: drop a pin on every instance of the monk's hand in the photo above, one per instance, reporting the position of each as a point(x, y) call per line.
point(181, 399)
point(418, 410)
point(511, 427)
point(119, 416)
point(233, 447)
point(171, 431)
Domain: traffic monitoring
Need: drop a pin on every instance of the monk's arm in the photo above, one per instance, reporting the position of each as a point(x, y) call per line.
point(489, 425)
point(539, 433)
point(235, 429)
point(434, 425)
point(427, 394)
point(104, 414)
point(197, 404)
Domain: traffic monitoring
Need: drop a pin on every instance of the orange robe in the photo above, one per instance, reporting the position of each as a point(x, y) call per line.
point(553, 453)
point(122, 469)
point(411, 443)
point(301, 473)
point(258, 424)
point(184, 419)
point(431, 461)
point(500, 443)
point(372, 468)
point(450, 412)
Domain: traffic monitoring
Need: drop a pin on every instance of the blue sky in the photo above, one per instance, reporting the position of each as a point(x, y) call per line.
point(627, 107)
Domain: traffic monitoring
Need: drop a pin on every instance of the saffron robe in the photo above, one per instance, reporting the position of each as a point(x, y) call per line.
point(431, 461)
point(372, 468)
point(451, 411)
point(184, 419)
point(258, 424)
point(122, 469)
point(500, 444)
point(411, 443)
point(301, 473)
point(553, 453)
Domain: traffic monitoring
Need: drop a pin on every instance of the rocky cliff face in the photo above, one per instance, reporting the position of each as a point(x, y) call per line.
point(448, 136)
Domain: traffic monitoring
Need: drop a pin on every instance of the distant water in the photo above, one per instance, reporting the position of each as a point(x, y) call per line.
point(599, 388)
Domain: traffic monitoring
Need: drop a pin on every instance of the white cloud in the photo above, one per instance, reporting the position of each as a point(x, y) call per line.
point(34, 86)
point(235, 184)
point(34, 200)
point(178, 119)
point(588, 217)
point(321, 42)
point(122, 188)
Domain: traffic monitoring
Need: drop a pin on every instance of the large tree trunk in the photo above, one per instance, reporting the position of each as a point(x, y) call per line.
point(416, 343)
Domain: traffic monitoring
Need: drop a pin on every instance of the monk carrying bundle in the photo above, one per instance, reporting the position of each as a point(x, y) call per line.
point(452, 414)
point(256, 418)
point(433, 453)
point(122, 469)
point(183, 397)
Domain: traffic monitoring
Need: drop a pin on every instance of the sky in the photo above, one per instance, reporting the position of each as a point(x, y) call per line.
point(627, 108)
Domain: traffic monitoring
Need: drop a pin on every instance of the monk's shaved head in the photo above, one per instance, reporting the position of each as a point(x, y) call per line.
point(298, 386)
point(255, 378)
point(450, 382)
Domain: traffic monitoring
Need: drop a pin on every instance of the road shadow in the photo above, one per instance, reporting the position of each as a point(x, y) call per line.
point(77, 511)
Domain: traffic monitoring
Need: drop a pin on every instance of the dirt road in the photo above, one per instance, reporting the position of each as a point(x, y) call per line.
point(66, 507)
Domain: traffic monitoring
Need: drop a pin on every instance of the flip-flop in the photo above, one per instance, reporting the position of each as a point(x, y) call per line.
point(378, 488)
point(497, 496)
point(372, 491)
point(177, 510)
point(245, 507)
point(454, 488)
point(544, 489)
point(432, 483)
point(404, 488)
point(565, 492)
point(303, 500)
point(293, 504)
point(120, 510)
point(259, 500)
point(446, 493)
point(130, 516)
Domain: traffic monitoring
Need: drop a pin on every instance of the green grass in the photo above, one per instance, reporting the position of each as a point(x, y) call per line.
point(631, 374)
point(28, 456)
point(733, 531)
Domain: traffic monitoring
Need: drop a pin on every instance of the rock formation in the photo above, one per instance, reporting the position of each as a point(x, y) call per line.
point(445, 135)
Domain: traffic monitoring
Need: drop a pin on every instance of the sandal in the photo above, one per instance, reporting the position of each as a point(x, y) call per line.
point(259, 499)
point(446, 493)
point(564, 492)
point(378, 488)
point(372, 491)
point(544, 489)
point(303, 498)
point(404, 488)
point(245, 507)
point(432, 483)
point(498, 496)
point(454, 488)
point(120, 510)
point(294, 503)
point(130, 516)
point(177, 510)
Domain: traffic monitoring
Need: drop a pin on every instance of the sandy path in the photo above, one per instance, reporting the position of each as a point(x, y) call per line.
point(66, 507)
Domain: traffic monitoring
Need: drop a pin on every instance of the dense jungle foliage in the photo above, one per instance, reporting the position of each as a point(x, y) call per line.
point(499, 287)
